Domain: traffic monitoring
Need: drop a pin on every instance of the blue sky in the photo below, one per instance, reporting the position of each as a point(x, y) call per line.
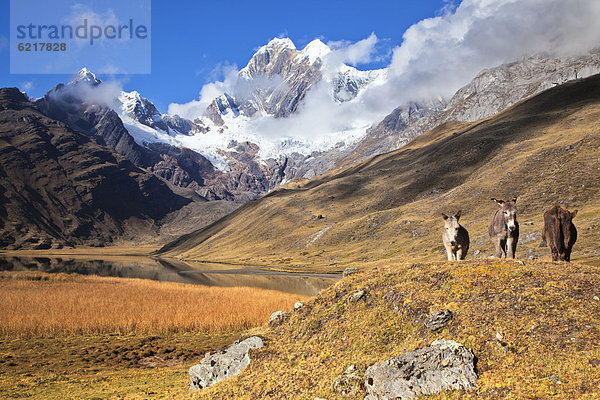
point(193, 40)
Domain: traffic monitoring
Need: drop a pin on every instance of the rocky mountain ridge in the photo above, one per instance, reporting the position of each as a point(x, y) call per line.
point(59, 188)
point(490, 92)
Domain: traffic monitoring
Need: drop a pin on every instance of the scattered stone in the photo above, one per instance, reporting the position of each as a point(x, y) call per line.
point(438, 320)
point(350, 271)
point(445, 365)
point(349, 383)
point(502, 344)
point(476, 252)
point(356, 296)
point(596, 298)
point(554, 379)
point(278, 317)
point(298, 305)
point(224, 363)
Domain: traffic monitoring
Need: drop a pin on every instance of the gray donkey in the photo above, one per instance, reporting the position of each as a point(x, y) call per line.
point(455, 237)
point(504, 228)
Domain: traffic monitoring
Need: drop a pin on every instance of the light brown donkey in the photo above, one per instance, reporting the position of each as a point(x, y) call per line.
point(455, 237)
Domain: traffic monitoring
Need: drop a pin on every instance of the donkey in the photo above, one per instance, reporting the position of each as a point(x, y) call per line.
point(504, 228)
point(455, 237)
point(559, 232)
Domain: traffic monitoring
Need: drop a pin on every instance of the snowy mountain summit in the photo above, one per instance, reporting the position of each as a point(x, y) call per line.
point(262, 105)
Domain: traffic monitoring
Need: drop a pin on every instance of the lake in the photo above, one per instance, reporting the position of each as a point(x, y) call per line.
point(207, 274)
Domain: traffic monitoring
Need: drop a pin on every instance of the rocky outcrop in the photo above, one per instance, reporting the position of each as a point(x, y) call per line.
point(224, 363)
point(445, 365)
point(438, 320)
point(142, 110)
point(184, 126)
point(348, 384)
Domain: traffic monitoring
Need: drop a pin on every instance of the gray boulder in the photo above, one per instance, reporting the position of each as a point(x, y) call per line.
point(445, 365)
point(224, 363)
point(278, 317)
point(438, 320)
point(350, 271)
point(356, 296)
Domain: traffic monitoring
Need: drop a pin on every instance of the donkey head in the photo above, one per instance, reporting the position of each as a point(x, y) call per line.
point(451, 226)
point(509, 212)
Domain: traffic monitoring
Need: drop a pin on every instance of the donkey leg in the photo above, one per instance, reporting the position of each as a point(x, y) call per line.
point(511, 245)
point(554, 253)
point(449, 253)
point(502, 248)
point(498, 244)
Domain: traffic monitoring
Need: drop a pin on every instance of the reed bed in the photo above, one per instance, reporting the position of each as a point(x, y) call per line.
point(40, 304)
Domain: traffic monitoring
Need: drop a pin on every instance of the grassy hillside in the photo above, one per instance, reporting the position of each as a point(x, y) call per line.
point(533, 326)
point(545, 150)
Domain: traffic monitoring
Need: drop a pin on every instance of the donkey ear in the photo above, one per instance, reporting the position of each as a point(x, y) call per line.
point(457, 216)
point(444, 216)
point(514, 199)
point(573, 214)
point(498, 201)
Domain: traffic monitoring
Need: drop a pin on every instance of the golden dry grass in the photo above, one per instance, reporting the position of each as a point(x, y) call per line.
point(40, 304)
point(548, 313)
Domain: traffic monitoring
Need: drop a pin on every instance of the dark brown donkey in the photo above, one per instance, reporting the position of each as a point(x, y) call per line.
point(504, 228)
point(559, 232)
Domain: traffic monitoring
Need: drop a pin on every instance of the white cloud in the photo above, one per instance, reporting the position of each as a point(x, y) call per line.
point(361, 52)
point(27, 85)
point(438, 55)
point(105, 94)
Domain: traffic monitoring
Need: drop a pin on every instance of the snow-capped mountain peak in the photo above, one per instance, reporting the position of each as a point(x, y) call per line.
point(140, 109)
point(314, 50)
point(85, 75)
point(278, 43)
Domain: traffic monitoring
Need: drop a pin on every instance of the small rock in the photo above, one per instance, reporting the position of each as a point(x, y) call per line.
point(224, 363)
point(594, 362)
point(445, 365)
point(520, 262)
point(554, 379)
point(349, 383)
point(298, 305)
point(350, 271)
point(476, 252)
point(438, 320)
point(278, 317)
point(596, 298)
point(356, 296)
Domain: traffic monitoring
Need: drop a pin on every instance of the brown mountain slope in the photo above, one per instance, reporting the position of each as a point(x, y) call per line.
point(58, 187)
point(545, 149)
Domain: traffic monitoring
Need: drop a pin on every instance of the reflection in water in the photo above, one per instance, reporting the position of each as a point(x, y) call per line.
point(161, 270)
